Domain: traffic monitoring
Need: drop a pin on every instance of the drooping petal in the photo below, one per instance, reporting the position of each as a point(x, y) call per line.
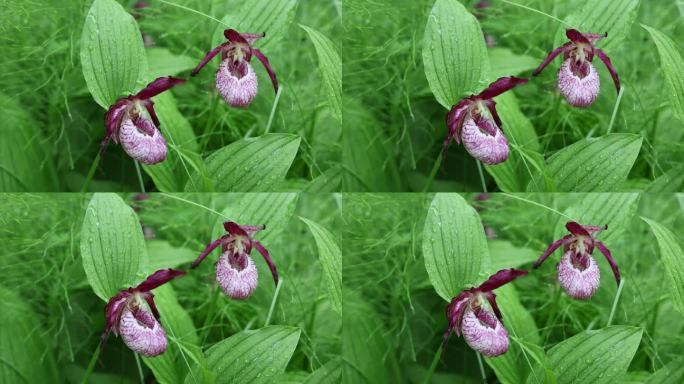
point(579, 91)
point(113, 311)
point(234, 229)
point(238, 277)
point(213, 245)
point(548, 252)
point(489, 149)
point(454, 120)
point(613, 266)
point(576, 37)
point(267, 65)
point(579, 283)
point(563, 48)
point(158, 86)
point(491, 105)
point(576, 229)
point(500, 278)
point(158, 278)
point(142, 333)
point(114, 117)
point(267, 258)
point(207, 58)
point(138, 144)
point(149, 298)
point(236, 90)
point(606, 60)
point(484, 332)
point(500, 86)
point(455, 311)
point(234, 36)
point(149, 106)
point(491, 298)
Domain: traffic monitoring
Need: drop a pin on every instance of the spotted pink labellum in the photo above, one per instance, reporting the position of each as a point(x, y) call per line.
point(236, 80)
point(132, 314)
point(133, 123)
point(236, 272)
point(578, 80)
point(578, 272)
point(474, 314)
point(475, 122)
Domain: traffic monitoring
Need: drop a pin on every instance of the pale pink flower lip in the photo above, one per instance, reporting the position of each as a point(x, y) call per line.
point(475, 122)
point(236, 272)
point(578, 272)
point(132, 314)
point(475, 314)
point(578, 80)
point(235, 78)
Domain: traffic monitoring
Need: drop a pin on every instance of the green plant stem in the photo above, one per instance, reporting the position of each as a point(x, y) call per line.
point(482, 370)
point(273, 109)
point(91, 173)
point(615, 302)
point(433, 172)
point(273, 302)
point(433, 365)
point(91, 364)
point(615, 109)
point(140, 179)
point(482, 178)
point(140, 372)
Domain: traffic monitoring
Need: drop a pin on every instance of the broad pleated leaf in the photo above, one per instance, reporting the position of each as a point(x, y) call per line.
point(112, 53)
point(673, 372)
point(600, 16)
point(25, 165)
point(330, 65)
point(591, 165)
point(25, 356)
point(593, 357)
point(454, 245)
point(672, 64)
point(330, 257)
point(255, 356)
point(672, 257)
point(257, 16)
point(331, 372)
point(161, 254)
point(503, 255)
point(256, 164)
point(112, 245)
point(162, 62)
point(613, 209)
point(454, 53)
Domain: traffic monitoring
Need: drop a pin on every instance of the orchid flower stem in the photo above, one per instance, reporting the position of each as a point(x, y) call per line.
point(539, 12)
point(433, 173)
point(273, 302)
point(273, 109)
point(195, 204)
point(615, 302)
point(193, 11)
point(482, 178)
point(91, 365)
point(482, 371)
point(140, 372)
point(140, 179)
point(538, 205)
point(615, 109)
point(91, 172)
point(433, 365)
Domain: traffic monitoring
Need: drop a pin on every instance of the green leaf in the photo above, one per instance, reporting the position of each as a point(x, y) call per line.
point(163, 62)
point(503, 255)
point(331, 372)
point(327, 182)
point(598, 164)
point(255, 356)
point(164, 255)
point(454, 53)
point(25, 356)
point(25, 165)
point(673, 372)
point(599, 16)
point(672, 256)
point(256, 164)
point(669, 182)
point(112, 53)
point(505, 62)
point(330, 256)
point(256, 16)
point(330, 65)
point(593, 357)
point(672, 64)
point(454, 245)
point(112, 245)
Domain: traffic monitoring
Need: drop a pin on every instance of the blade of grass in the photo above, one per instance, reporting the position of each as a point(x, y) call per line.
point(273, 302)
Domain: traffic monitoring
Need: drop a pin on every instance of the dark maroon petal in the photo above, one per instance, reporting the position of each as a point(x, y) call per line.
point(158, 278)
point(252, 37)
point(576, 37)
point(206, 252)
point(576, 229)
point(234, 37)
point(550, 58)
point(454, 120)
point(268, 260)
point(207, 58)
point(144, 125)
point(113, 310)
point(594, 37)
point(158, 86)
point(149, 297)
point(267, 65)
point(234, 229)
point(149, 105)
point(500, 86)
point(113, 119)
point(601, 247)
point(548, 252)
point(491, 105)
point(454, 312)
point(491, 297)
point(606, 60)
point(486, 124)
point(500, 278)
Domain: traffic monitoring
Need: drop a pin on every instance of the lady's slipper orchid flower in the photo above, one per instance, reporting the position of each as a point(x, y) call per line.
point(133, 315)
point(474, 314)
point(578, 272)
point(132, 122)
point(235, 78)
point(236, 273)
point(474, 121)
point(578, 80)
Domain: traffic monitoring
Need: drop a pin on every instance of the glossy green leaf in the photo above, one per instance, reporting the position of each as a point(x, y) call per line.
point(112, 245)
point(25, 165)
point(505, 62)
point(112, 53)
point(454, 245)
point(331, 372)
point(256, 164)
point(673, 372)
point(330, 65)
point(593, 357)
point(598, 164)
point(25, 356)
point(672, 64)
point(454, 53)
point(330, 256)
point(327, 182)
point(255, 356)
point(256, 16)
point(669, 182)
point(161, 254)
point(163, 62)
point(503, 255)
point(672, 257)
